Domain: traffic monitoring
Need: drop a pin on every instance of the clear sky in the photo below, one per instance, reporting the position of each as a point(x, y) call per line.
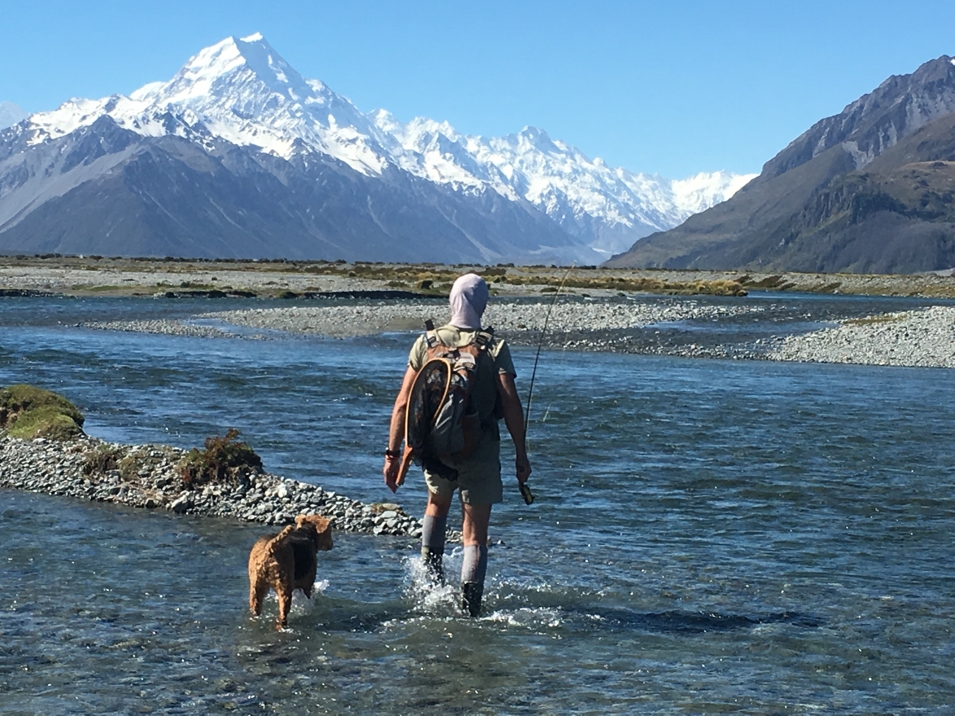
point(672, 88)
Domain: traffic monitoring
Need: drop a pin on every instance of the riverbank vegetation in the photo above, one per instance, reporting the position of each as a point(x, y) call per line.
point(288, 279)
point(223, 458)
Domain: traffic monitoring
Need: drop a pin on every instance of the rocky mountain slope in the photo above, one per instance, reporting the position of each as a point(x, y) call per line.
point(867, 190)
point(238, 155)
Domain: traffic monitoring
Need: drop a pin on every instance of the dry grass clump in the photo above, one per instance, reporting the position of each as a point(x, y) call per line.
point(221, 461)
point(767, 283)
point(724, 287)
point(102, 459)
point(875, 320)
point(134, 464)
point(28, 412)
point(425, 277)
point(634, 285)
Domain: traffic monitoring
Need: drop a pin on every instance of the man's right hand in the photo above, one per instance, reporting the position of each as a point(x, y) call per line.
point(390, 471)
point(523, 469)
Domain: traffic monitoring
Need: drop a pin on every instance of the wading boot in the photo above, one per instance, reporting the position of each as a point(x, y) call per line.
point(471, 593)
point(433, 565)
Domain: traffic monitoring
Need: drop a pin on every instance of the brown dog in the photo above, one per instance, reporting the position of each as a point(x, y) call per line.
point(287, 561)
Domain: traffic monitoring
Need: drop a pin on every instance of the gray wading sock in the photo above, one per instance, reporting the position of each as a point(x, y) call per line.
point(433, 531)
point(473, 572)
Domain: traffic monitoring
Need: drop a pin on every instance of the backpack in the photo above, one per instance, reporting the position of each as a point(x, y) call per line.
point(441, 424)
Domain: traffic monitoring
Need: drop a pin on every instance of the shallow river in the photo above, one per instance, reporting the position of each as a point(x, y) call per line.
point(710, 536)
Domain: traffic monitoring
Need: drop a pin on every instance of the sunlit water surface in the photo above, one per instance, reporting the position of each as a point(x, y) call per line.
point(709, 537)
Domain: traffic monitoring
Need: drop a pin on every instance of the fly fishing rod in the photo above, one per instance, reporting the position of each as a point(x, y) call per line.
point(525, 490)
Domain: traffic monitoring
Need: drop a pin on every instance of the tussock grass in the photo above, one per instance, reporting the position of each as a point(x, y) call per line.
point(501, 276)
point(432, 279)
point(102, 459)
point(875, 320)
point(636, 285)
point(221, 461)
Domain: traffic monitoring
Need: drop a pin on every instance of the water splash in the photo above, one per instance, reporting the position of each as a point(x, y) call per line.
point(427, 596)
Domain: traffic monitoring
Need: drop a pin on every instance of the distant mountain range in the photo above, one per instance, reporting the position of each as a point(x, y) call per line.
point(869, 190)
point(240, 156)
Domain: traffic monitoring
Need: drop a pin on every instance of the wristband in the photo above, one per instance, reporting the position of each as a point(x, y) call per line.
point(393, 454)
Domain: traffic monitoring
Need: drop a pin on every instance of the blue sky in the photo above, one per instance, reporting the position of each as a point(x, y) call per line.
point(669, 88)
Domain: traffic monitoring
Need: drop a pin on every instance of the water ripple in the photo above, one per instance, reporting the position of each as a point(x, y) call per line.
point(708, 536)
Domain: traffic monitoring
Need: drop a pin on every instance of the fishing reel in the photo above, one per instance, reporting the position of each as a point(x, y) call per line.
point(527, 494)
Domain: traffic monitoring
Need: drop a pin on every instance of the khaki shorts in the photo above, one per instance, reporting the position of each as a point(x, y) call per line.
point(479, 476)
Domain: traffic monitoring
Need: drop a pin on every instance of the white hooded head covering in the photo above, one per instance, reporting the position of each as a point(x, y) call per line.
point(468, 300)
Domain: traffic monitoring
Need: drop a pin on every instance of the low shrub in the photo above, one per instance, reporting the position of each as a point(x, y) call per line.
point(221, 461)
point(130, 465)
point(101, 460)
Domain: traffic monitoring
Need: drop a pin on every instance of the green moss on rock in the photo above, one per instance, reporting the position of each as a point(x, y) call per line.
point(28, 412)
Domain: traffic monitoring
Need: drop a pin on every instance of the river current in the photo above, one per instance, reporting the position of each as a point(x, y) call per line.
point(709, 536)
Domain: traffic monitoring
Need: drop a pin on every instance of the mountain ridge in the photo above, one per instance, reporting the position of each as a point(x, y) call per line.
point(241, 92)
point(818, 206)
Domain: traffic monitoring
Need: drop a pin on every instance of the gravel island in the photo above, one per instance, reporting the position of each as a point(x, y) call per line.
point(924, 338)
point(57, 467)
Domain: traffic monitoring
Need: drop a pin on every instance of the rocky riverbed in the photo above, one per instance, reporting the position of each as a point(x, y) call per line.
point(591, 320)
point(518, 322)
point(589, 316)
point(146, 476)
point(923, 338)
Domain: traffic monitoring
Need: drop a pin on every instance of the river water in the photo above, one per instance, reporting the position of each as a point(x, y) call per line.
point(709, 536)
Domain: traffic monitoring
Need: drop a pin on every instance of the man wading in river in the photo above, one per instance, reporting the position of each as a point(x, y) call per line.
point(476, 470)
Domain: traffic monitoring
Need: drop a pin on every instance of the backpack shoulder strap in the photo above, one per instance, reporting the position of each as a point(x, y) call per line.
point(431, 335)
point(483, 339)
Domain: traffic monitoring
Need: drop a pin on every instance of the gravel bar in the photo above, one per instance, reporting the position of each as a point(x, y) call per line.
point(918, 338)
point(519, 322)
point(165, 327)
point(58, 468)
point(924, 338)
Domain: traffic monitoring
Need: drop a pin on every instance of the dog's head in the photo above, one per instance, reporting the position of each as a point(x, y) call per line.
point(322, 527)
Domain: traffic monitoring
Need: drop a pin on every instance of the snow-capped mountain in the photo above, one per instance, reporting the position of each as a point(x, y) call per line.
point(557, 178)
point(241, 95)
